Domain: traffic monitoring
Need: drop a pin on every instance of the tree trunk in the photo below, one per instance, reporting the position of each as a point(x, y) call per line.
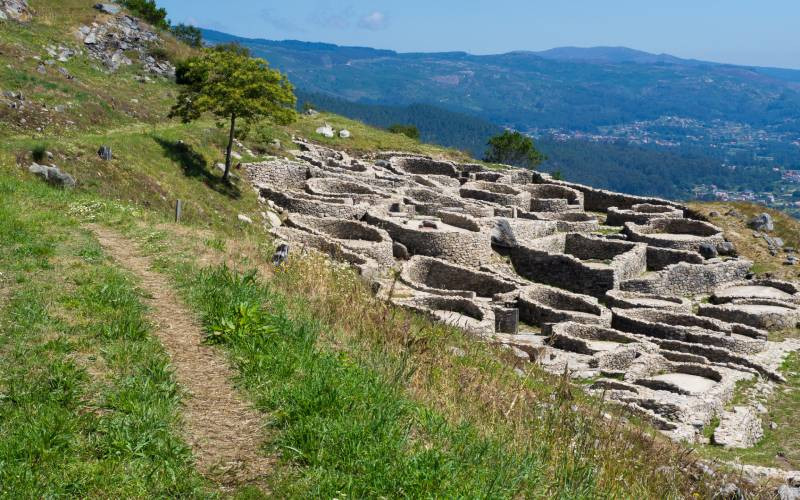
point(226, 175)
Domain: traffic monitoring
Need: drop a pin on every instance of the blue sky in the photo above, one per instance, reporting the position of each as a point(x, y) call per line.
point(753, 32)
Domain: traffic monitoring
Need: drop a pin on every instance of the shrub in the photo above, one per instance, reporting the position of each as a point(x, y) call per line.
point(39, 153)
point(149, 11)
point(408, 130)
point(188, 34)
point(513, 148)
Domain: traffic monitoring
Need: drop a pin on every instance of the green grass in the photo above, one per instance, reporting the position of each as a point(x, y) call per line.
point(88, 404)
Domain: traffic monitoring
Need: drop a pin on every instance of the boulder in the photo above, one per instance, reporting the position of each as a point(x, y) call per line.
point(727, 249)
point(344, 134)
point(15, 10)
point(786, 492)
point(53, 175)
point(273, 219)
point(762, 222)
point(708, 251)
point(326, 131)
point(105, 153)
point(108, 8)
point(244, 218)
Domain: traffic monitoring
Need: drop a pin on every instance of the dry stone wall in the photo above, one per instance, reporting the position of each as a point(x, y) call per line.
point(512, 256)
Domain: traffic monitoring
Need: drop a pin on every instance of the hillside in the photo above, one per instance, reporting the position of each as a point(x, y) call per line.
point(144, 357)
point(733, 127)
point(563, 88)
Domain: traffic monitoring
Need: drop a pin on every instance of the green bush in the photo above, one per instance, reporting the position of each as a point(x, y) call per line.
point(39, 153)
point(407, 130)
point(149, 11)
point(188, 34)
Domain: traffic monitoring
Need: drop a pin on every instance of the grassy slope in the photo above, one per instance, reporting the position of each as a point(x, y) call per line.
point(733, 219)
point(384, 358)
point(88, 406)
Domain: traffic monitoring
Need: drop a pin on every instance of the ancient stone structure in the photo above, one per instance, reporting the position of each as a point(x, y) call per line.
point(621, 290)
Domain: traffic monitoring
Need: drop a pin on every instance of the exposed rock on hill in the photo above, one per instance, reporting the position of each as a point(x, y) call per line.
point(112, 40)
point(16, 10)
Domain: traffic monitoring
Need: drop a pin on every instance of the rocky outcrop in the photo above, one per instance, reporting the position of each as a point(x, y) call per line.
point(112, 40)
point(15, 10)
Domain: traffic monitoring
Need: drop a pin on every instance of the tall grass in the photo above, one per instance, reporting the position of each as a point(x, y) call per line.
point(381, 410)
point(88, 404)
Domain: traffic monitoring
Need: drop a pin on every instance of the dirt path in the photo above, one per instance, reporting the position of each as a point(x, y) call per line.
point(225, 433)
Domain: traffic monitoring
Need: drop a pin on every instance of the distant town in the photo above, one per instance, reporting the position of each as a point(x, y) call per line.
point(735, 146)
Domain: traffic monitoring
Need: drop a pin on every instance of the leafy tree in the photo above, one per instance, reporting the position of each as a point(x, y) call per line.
point(188, 34)
point(231, 85)
point(149, 11)
point(513, 148)
point(407, 130)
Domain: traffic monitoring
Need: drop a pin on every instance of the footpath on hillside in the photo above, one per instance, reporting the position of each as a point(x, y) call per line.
point(225, 432)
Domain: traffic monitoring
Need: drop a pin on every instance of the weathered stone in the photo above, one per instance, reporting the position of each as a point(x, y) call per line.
point(53, 175)
point(762, 222)
point(708, 251)
point(108, 8)
point(740, 428)
point(105, 153)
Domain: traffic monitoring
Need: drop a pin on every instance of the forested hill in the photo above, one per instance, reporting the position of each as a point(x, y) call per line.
point(436, 125)
point(578, 89)
point(618, 166)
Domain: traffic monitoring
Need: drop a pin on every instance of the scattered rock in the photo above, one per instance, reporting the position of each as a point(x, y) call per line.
point(457, 351)
point(311, 112)
point(326, 131)
point(108, 8)
point(41, 69)
point(235, 155)
point(713, 213)
point(53, 175)
point(275, 143)
point(105, 153)
point(791, 260)
point(280, 255)
point(727, 249)
point(786, 492)
point(773, 425)
point(729, 492)
point(400, 251)
point(708, 251)
point(273, 219)
point(762, 222)
point(110, 41)
point(344, 134)
point(244, 218)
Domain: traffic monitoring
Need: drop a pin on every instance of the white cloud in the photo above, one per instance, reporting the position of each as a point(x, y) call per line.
point(373, 21)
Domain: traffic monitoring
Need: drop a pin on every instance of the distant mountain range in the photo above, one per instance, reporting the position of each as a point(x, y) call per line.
point(572, 88)
point(613, 117)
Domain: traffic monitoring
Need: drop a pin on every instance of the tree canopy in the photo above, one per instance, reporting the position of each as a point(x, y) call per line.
point(231, 85)
point(513, 148)
point(190, 35)
point(407, 130)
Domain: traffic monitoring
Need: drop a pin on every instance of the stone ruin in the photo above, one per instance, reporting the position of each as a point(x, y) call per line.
point(619, 291)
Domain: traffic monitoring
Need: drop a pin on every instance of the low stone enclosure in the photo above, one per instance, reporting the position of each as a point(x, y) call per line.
point(617, 289)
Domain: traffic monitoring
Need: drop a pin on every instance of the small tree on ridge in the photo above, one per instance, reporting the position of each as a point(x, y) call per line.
point(228, 83)
point(513, 148)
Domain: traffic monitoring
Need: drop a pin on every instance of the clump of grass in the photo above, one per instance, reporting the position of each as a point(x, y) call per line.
point(39, 153)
